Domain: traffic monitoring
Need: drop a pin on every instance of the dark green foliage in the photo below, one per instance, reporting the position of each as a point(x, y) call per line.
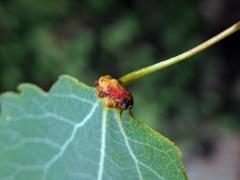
point(42, 39)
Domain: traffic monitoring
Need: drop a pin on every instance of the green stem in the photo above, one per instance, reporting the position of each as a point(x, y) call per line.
point(128, 78)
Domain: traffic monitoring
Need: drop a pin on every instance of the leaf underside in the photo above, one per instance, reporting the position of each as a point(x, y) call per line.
point(68, 134)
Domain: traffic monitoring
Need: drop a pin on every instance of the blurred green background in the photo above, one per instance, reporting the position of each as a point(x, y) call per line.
point(195, 103)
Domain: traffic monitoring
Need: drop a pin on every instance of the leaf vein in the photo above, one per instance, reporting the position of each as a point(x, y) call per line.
point(68, 141)
point(103, 145)
point(129, 147)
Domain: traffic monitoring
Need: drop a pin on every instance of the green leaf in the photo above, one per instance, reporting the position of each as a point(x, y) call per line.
point(68, 134)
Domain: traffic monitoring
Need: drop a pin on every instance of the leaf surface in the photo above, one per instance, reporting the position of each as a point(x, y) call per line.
point(68, 134)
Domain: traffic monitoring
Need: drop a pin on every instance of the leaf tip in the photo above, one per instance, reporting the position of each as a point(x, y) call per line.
point(28, 88)
point(73, 79)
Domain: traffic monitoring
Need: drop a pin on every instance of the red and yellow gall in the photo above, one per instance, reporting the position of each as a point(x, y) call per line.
point(113, 93)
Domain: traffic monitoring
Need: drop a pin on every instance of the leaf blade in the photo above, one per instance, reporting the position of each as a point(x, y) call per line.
point(67, 134)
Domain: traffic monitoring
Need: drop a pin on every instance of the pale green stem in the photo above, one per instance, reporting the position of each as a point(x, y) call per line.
point(128, 78)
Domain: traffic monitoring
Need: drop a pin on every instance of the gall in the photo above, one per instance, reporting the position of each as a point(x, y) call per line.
point(113, 93)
